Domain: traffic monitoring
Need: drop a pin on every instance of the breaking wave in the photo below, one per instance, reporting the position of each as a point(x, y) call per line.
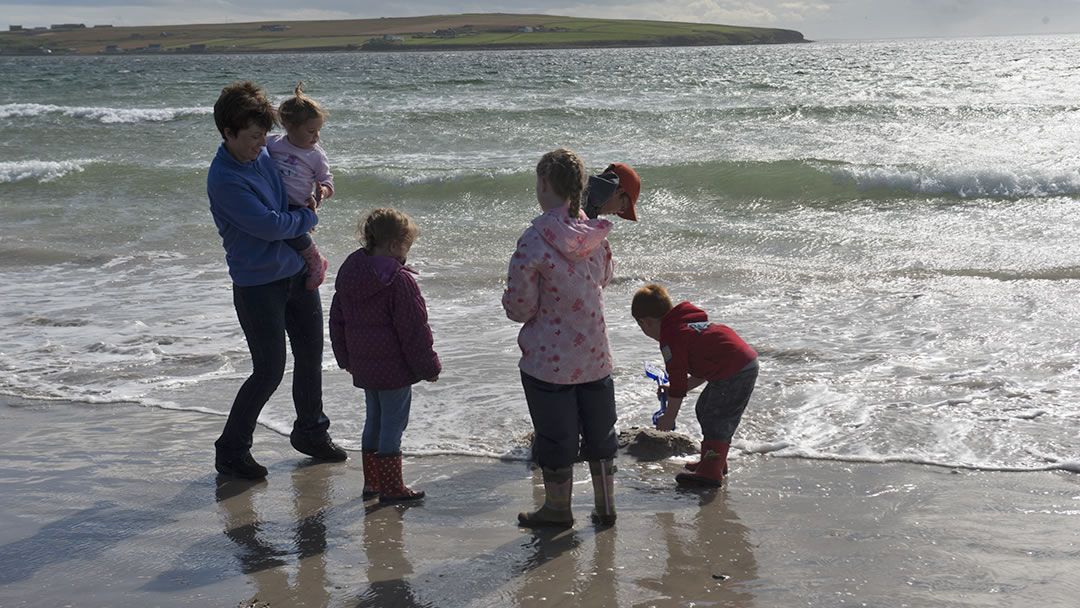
point(100, 114)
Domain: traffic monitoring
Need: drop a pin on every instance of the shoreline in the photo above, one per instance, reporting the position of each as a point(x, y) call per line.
point(118, 505)
point(410, 49)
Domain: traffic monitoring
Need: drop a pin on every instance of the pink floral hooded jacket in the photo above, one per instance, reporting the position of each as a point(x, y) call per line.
point(555, 287)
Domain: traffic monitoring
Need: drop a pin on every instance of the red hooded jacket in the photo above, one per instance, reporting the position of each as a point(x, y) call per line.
point(379, 325)
point(692, 345)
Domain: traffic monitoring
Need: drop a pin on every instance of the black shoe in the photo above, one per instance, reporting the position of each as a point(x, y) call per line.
point(329, 451)
point(243, 467)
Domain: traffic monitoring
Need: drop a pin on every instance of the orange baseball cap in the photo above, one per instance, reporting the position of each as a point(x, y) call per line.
point(630, 184)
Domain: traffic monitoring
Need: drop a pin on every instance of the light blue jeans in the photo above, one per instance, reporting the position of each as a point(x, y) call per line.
point(387, 417)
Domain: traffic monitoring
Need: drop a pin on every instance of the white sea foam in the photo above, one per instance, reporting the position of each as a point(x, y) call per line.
point(101, 114)
point(965, 183)
point(418, 170)
point(39, 170)
point(761, 447)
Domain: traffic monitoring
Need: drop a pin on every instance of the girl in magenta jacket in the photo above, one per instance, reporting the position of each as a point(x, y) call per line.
point(380, 335)
point(555, 287)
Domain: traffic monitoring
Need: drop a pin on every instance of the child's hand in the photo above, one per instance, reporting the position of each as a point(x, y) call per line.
point(321, 192)
point(666, 422)
point(434, 378)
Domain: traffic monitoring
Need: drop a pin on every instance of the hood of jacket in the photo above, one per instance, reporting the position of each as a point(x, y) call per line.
point(374, 274)
point(574, 238)
point(684, 313)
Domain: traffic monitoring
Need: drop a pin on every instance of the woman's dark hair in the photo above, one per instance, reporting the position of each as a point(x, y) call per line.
point(241, 105)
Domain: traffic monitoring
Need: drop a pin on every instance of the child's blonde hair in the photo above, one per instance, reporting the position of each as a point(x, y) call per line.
point(651, 302)
point(565, 172)
point(386, 226)
point(300, 108)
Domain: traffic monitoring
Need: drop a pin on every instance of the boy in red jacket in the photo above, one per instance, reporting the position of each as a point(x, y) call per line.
point(695, 352)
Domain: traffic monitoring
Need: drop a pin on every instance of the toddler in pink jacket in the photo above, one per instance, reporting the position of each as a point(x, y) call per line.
point(555, 287)
point(304, 170)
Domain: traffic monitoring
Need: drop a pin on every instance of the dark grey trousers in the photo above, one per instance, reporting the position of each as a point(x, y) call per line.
point(563, 412)
point(721, 404)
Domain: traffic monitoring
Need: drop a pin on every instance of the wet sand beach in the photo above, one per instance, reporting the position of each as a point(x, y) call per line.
point(119, 505)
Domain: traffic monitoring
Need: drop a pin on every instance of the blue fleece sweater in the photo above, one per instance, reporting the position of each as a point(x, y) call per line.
point(251, 210)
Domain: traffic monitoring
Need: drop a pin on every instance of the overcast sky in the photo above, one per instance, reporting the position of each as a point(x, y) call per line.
point(816, 19)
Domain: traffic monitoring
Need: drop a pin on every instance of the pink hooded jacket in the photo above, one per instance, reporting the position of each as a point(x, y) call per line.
point(555, 286)
point(300, 168)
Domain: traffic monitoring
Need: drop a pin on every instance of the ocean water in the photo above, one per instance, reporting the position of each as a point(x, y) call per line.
point(892, 225)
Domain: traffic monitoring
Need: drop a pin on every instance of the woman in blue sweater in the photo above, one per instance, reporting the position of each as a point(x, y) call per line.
point(250, 207)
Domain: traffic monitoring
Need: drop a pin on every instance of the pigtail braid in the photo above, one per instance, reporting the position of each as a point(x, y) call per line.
point(565, 172)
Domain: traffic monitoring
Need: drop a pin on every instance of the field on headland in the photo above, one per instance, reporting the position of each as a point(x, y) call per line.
point(439, 32)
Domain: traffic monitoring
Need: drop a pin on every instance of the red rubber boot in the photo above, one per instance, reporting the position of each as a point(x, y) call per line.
point(692, 466)
point(371, 476)
point(710, 471)
point(391, 486)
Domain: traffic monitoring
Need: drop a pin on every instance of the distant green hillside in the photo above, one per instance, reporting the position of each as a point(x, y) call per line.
point(438, 32)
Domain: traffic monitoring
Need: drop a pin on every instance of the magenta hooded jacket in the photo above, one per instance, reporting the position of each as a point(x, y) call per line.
point(555, 287)
point(379, 324)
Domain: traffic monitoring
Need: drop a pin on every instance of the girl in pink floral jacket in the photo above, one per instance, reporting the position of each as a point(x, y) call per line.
point(555, 287)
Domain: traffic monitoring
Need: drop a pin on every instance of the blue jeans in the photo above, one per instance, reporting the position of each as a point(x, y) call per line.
point(268, 313)
point(387, 417)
